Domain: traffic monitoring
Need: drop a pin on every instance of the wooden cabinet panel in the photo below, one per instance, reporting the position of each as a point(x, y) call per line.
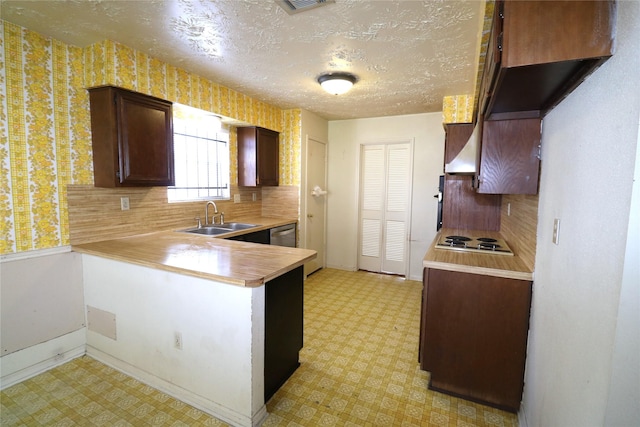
point(258, 157)
point(283, 329)
point(491, 62)
point(456, 136)
point(509, 162)
point(541, 51)
point(540, 32)
point(255, 237)
point(462, 207)
point(474, 336)
point(132, 138)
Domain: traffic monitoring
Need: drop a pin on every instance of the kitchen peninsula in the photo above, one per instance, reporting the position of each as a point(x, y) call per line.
point(191, 314)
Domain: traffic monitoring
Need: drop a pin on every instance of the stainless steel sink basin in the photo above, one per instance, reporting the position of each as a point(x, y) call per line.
point(218, 229)
point(210, 231)
point(233, 225)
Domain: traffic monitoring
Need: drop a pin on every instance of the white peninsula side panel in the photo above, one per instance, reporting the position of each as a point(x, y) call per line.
point(142, 312)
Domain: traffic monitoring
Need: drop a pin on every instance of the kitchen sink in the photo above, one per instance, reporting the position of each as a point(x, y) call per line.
point(218, 229)
point(233, 226)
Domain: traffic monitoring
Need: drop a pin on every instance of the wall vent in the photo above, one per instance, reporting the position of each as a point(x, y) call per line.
point(296, 6)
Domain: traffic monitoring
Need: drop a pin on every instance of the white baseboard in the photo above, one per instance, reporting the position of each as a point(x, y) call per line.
point(342, 267)
point(214, 409)
point(522, 419)
point(29, 362)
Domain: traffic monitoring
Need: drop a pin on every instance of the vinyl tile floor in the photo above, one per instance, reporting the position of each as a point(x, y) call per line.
point(358, 368)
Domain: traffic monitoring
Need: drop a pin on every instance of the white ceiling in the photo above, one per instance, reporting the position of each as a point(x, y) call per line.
point(407, 54)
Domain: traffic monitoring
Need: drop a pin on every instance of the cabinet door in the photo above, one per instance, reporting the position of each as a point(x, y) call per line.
point(255, 237)
point(543, 32)
point(258, 157)
point(268, 157)
point(474, 336)
point(509, 160)
point(132, 138)
point(145, 140)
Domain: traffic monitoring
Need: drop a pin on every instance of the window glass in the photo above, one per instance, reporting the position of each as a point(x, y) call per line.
point(201, 156)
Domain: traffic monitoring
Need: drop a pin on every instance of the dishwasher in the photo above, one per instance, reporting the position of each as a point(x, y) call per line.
point(284, 235)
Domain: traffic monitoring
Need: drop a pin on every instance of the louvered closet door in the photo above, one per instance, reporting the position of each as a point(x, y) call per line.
point(384, 205)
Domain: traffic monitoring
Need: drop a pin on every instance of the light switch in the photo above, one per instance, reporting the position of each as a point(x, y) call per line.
point(124, 203)
point(556, 230)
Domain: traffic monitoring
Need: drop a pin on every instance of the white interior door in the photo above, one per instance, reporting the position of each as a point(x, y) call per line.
point(385, 189)
point(315, 203)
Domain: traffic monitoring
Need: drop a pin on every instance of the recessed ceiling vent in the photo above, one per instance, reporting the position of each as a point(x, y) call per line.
point(296, 6)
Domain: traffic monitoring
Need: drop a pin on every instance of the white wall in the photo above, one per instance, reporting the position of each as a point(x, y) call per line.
point(345, 138)
point(41, 312)
point(588, 153)
point(622, 408)
point(220, 366)
point(316, 128)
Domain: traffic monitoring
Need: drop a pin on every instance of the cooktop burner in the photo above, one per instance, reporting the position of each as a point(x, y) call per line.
point(474, 244)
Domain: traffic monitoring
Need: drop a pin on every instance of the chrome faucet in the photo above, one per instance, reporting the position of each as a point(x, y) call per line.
point(206, 212)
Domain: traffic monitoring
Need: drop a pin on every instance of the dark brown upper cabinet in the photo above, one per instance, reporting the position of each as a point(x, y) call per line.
point(540, 51)
point(509, 157)
point(258, 157)
point(132, 136)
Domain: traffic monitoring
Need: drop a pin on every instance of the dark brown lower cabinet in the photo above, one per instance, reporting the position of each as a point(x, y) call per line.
point(473, 336)
point(283, 329)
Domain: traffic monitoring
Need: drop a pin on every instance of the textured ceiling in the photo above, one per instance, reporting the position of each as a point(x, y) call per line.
point(408, 54)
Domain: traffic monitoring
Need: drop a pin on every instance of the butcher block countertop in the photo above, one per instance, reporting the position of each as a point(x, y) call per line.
point(207, 257)
point(510, 267)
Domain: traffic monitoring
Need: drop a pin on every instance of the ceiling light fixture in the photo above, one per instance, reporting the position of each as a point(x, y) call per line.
point(337, 83)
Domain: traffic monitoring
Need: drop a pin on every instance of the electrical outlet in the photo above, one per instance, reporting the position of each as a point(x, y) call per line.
point(254, 197)
point(177, 340)
point(236, 198)
point(556, 230)
point(508, 209)
point(124, 203)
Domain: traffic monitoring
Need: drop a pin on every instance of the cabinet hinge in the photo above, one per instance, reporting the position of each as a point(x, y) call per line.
point(539, 156)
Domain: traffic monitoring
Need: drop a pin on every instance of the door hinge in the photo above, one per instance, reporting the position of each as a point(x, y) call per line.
point(500, 42)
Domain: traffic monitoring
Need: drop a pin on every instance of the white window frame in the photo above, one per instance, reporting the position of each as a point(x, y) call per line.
point(201, 153)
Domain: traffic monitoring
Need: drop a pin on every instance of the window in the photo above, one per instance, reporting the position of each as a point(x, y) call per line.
point(201, 156)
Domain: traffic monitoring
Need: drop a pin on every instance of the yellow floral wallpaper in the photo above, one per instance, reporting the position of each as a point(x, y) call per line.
point(45, 135)
point(460, 108)
point(290, 144)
